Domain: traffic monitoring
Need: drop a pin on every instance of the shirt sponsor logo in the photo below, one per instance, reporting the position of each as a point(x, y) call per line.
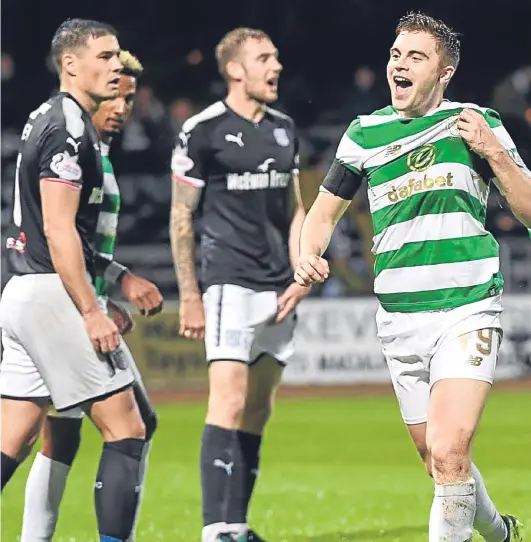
point(414, 186)
point(66, 166)
point(258, 181)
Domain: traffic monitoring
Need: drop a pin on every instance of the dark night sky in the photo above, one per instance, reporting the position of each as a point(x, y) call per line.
point(320, 42)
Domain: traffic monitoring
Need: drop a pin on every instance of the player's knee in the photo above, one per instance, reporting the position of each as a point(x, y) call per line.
point(450, 458)
point(227, 409)
point(118, 417)
point(61, 439)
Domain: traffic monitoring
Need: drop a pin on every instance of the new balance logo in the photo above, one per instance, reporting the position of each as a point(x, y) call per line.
point(235, 139)
point(475, 361)
point(227, 467)
point(264, 167)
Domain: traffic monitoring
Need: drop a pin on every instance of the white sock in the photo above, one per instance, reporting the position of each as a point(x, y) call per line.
point(237, 529)
point(210, 532)
point(452, 512)
point(143, 471)
point(44, 490)
point(488, 521)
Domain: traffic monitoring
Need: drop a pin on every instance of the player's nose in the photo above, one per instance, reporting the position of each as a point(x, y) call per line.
point(119, 107)
point(115, 64)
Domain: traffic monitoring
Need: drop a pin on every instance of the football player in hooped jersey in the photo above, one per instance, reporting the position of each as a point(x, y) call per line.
point(235, 167)
point(429, 163)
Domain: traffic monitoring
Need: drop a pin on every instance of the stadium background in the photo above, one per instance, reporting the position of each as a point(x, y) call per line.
point(337, 463)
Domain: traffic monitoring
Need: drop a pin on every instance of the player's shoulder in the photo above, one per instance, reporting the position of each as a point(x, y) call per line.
point(212, 113)
point(491, 116)
point(278, 117)
point(68, 112)
point(380, 116)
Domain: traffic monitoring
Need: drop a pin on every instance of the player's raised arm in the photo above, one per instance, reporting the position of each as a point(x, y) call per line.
point(61, 179)
point(187, 184)
point(487, 136)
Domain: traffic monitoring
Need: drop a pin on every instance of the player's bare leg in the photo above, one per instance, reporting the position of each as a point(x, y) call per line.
point(21, 422)
point(488, 521)
point(454, 412)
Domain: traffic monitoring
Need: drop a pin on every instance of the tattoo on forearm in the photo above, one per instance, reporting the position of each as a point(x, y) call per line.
point(184, 200)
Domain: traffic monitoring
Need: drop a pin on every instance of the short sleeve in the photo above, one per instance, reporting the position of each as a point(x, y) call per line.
point(189, 157)
point(341, 181)
point(58, 157)
point(346, 172)
point(494, 121)
point(350, 152)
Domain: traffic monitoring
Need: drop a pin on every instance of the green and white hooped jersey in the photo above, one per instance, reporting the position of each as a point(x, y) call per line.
point(428, 198)
point(107, 223)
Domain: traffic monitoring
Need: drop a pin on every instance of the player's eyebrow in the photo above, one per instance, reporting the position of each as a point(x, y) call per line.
point(410, 53)
point(109, 53)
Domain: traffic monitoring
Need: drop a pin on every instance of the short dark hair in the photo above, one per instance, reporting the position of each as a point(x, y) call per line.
point(446, 38)
point(230, 44)
point(74, 33)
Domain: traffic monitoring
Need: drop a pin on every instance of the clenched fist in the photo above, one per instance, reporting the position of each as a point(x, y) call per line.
point(311, 269)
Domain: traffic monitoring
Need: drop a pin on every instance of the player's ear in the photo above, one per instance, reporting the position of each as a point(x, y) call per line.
point(234, 70)
point(446, 74)
point(69, 64)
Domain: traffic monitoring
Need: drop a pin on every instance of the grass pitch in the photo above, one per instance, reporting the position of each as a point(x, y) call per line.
point(332, 470)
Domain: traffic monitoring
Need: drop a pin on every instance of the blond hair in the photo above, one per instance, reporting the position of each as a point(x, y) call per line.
point(131, 65)
point(230, 45)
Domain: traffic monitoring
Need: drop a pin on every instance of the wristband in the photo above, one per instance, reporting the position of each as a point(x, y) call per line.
point(115, 272)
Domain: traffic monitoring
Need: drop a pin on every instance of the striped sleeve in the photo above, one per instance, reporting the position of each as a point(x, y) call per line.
point(350, 152)
point(494, 121)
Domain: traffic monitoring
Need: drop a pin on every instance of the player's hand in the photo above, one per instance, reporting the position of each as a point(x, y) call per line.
point(143, 294)
point(102, 331)
point(311, 269)
point(475, 131)
point(192, 317)
point(121, 317)
point(290, 299)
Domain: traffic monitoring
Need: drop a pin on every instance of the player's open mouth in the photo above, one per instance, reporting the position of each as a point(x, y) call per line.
point(115, 82)
point(402, 85)
point(272, 83)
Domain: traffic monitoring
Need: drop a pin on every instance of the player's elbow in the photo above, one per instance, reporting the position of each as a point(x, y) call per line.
point(55, 229)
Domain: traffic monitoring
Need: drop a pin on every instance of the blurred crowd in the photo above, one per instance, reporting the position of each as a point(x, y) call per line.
point(141, 155)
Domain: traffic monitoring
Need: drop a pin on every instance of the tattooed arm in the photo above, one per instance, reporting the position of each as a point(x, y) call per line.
point(191, 313)
point(183, 202)
point(187, 182)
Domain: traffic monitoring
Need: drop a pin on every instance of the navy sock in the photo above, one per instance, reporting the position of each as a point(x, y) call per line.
point(8, 467)
point(117, 488)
